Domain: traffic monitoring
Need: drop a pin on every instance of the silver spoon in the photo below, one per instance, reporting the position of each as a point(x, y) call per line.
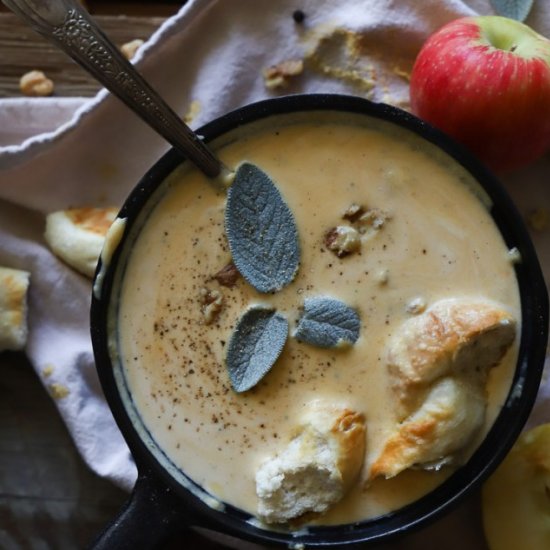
point(66, 24)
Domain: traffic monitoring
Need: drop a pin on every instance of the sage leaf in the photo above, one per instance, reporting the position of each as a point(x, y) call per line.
point(260, 228)
point(255, 345)
point(327, 323)
point(514, 9)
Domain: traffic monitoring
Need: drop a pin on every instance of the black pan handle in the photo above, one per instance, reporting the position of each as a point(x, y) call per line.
point(152, 514)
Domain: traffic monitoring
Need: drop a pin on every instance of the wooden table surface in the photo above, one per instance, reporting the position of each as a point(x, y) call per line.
point(48, 496)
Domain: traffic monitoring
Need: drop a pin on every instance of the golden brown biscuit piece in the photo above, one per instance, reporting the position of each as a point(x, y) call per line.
point(460, 337)
point(438, 364)
point(317, 467)
point(446, 422)
point(14, 284)
point(516, 498)
point(77, 235)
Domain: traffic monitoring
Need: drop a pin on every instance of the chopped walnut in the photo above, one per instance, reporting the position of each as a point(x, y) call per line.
point(130, 48)
point(353, 213)
point(538, 219)
point(342, 240)
point(278, 76)
point(372, 219)
point(228, 275)
point(416, 305)
point(212, 303)
point(36, 83)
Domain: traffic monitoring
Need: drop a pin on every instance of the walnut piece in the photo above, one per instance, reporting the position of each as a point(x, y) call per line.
point(278, 76)
point(227, 276)
point(372, 219)
point(353, 213)
point(342, 240)
point(58, 391)
point(35, 83)
point(212, 303)
point(130, 48)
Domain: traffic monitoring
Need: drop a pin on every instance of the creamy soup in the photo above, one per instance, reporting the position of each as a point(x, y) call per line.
point(439, 241)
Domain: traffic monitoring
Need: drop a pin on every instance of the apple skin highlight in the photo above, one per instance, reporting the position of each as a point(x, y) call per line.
point(485, 81)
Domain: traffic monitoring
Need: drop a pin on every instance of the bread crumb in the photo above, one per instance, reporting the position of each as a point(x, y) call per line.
point(36, 83)
point(278, 76)
point(212, 303)
point(353, 212)
point(47, 371)
point(130, 48)
point(514, 255)
point(192, 112)
point(372, 220)
point(416, 305)
point(383, 276)
point(338, 55)
point(58, 391)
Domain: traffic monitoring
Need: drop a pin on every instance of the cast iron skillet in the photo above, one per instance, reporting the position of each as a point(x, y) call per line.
point(160, 505)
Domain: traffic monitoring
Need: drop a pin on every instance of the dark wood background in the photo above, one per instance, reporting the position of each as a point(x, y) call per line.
point(48, 496)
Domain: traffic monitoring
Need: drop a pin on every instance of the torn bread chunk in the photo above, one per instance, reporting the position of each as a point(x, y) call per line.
point(14, 285)
point(77, 235)
point(446, 422)
point(460, 337)
point(317, 467)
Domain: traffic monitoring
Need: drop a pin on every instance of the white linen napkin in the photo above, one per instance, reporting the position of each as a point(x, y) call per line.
point(58, 152)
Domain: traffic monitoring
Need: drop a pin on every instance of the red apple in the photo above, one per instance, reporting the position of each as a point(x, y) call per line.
point(485, 81)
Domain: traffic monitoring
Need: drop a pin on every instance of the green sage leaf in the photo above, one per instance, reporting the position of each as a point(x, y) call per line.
point(262, 233)
point(514, 9)
point(255, 345)
point(327, 323)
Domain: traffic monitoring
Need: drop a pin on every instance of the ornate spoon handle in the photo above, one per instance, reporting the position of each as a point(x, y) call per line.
point(69, 26)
